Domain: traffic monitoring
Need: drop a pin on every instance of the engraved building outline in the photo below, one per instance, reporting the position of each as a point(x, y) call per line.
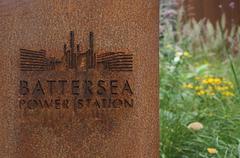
point(73, 58)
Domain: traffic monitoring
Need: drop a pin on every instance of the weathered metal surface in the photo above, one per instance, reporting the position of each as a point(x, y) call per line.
point(213, 10)
point(48, 77)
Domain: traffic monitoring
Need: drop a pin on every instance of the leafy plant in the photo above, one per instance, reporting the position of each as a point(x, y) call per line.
point(195, 55)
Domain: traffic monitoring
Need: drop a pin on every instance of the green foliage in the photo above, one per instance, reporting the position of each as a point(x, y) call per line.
point(188, 51)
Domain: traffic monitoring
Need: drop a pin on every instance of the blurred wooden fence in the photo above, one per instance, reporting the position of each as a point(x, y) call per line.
point(213, 10)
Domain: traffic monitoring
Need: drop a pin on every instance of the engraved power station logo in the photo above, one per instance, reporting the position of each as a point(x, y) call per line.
point(74, 58)
point(53, 85)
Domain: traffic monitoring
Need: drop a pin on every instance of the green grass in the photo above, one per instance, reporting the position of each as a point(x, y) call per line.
point(179, 107)
point(220, 115)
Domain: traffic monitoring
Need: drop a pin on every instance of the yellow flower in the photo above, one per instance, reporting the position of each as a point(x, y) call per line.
point(201, 92)
point(210, 80)
point(212, 150)
point(205, 81)
point(217, 81)
point(230, 84)
point(225, 88)
point(219, 88)
point(189, 85)
point(227, 94)
point(198, 87)
point(227, 82)
point(186, 54)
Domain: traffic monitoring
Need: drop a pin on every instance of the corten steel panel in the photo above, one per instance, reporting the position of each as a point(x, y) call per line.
point(194, 9)
point(213, 10)
point(231, 10)
point(119, 25)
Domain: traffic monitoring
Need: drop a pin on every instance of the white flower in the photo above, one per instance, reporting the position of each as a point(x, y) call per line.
point(179, 54)
point(195, 126)
point(172, 68)
point(176, 59)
